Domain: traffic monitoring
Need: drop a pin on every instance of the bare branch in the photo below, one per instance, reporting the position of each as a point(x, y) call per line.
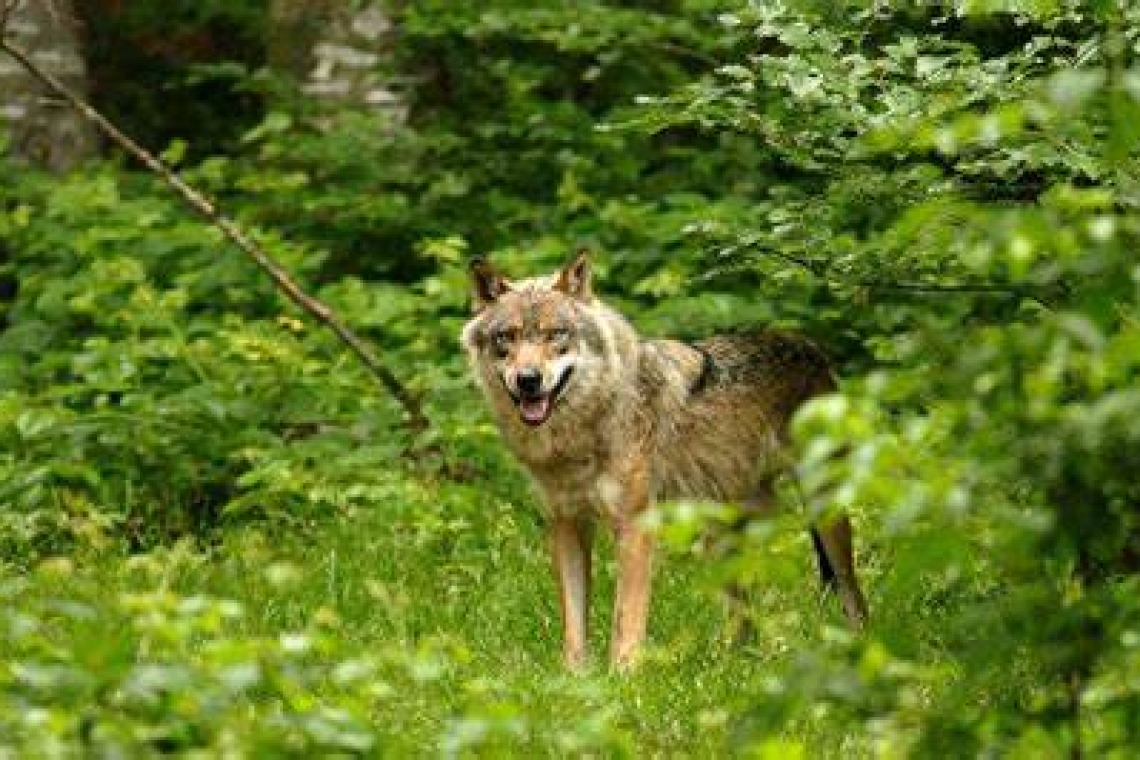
point(821, 271)
point(1000, 289)
point(410, 402)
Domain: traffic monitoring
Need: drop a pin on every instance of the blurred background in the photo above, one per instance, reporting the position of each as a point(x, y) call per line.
point(217, 534)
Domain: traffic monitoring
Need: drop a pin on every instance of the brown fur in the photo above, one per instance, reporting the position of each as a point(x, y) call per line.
point(635, 421)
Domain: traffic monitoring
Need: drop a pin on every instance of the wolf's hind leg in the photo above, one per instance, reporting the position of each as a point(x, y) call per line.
point(760, 505)
point(571, 539)
point(832, 540)
point(833, 545)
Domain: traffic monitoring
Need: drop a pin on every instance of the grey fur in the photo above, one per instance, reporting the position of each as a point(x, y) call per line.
point(707, 420)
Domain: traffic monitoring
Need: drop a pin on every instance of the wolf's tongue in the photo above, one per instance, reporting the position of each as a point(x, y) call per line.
point(534, 411)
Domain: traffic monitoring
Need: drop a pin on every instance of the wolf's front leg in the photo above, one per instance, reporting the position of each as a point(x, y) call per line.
point(570, 544)
point(634, 574)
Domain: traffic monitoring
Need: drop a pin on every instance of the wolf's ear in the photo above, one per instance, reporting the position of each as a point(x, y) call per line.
point(487, 284)
point(574, 279)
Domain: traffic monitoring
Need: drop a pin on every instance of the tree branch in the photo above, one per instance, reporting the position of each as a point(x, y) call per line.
point(993, 288)
point(821, 271)
point(410, 402)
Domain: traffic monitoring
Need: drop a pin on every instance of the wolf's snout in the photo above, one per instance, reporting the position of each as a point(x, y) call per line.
point(529, 382)
point(535, 404)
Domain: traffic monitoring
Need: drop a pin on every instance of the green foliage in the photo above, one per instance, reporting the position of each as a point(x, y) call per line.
point(151, 383)
point(164, 67)
point(947, 196)
point(361, 639)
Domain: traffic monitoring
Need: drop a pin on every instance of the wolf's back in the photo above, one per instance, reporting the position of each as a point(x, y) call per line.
point(726, 436)
point(785, 369)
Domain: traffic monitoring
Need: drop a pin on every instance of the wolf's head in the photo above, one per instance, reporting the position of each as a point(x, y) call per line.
point(533, 335)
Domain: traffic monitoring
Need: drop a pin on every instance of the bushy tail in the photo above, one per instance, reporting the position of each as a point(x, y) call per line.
point(826, 571)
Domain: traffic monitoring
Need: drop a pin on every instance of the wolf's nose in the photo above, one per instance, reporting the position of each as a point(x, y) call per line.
point(529, 381)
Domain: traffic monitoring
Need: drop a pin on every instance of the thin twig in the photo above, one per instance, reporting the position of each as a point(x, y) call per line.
point(820, 271)
point(1000, 289)
point(410, 402)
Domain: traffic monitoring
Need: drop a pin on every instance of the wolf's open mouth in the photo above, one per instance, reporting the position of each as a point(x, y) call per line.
point(536, 410)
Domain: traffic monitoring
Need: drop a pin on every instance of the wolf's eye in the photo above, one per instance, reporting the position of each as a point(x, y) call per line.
point(501, 341)
point(560, 337)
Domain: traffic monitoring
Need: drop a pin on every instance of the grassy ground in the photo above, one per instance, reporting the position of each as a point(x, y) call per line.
point(427, 624)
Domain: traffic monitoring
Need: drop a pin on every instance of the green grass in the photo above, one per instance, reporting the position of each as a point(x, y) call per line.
point(431, 622)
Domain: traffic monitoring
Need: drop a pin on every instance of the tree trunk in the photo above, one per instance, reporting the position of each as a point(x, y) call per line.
point(42, 129)
point(338, 49)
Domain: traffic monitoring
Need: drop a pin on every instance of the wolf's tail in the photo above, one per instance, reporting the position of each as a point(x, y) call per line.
point(826, 571)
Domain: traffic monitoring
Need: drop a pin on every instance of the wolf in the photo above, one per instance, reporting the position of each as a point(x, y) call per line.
point(607, 422)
